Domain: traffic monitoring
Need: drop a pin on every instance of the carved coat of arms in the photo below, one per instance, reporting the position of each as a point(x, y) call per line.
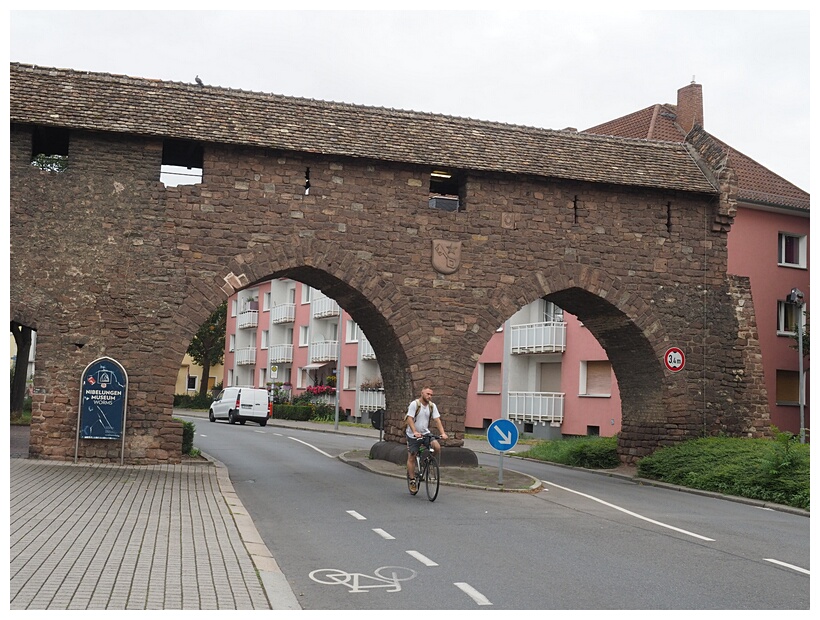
point(446, 256)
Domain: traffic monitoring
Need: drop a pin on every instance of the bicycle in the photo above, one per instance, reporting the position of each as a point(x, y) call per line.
point(427, 469)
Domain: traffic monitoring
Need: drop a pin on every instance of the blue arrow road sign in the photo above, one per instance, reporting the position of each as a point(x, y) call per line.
point(502, 435)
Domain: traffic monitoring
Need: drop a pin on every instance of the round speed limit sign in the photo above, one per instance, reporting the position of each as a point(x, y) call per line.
point(674, 359)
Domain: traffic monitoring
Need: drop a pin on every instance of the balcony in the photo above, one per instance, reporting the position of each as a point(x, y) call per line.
point(248, 318)
point(325, 351)
point(544, 407)
point(281, 353)
point(370, 400)
point(538, 338)
point(366, 349)
point(245, 356)
point(283, 313)
point(324, 307)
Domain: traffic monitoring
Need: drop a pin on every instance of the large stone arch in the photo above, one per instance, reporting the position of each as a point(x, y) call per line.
point(107, 260)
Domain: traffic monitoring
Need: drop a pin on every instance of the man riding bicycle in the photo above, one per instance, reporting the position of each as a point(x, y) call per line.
point(419, 413)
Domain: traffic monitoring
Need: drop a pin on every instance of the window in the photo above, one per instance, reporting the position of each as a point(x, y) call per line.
point(233, 307)
point(787, 390)
point(232, 343)
point(350, 382)
point(181, 163)
point(49, 148)
point(305, 294)
point(791, 250)
point(266, 302)
point(191, 386)
point(263, 377)
point(446, 191)
point(303, 336)
point(552, 313)
point(265, 339)
point(595, 379)
point(787, 317)
point(352, 332)
point(489, 378)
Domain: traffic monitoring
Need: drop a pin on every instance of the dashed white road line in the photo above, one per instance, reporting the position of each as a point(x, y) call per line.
point(383, 534)
point(356, 515)
point(633, 514)
point(474, 594)
point(422, 558)
point(791, 566)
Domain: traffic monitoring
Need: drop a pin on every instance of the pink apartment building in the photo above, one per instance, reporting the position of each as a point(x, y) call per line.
point(542, 369)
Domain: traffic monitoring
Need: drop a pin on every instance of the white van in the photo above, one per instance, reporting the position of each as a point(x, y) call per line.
point(240, 404)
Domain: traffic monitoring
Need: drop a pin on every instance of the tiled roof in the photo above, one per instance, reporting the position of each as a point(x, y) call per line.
point(756, 183)
point(114, 103)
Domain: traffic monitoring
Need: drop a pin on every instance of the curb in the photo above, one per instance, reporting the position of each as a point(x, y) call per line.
point(278, 590)
point(534, 487)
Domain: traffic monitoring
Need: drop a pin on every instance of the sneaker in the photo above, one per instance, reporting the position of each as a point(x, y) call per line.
point(412, 484)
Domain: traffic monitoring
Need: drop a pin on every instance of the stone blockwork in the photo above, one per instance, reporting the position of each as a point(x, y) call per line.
point(106, 261)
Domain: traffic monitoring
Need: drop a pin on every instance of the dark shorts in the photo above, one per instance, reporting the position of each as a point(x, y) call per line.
point(413, 444)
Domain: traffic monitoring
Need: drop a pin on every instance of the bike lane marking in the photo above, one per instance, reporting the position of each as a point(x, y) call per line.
point(474, 594)
point(422, 558)
point(383, 534)
point(356, 515)
point(629, 512)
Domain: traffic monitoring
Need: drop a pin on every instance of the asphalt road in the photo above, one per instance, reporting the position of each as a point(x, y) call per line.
point(350, 539)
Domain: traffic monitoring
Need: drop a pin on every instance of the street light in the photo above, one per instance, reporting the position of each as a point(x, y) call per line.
point(795, 297)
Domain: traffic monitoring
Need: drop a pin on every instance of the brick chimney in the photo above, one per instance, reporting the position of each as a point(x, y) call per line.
point(690, 106)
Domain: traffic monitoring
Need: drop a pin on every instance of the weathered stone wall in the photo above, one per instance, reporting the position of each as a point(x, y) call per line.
point(107, 261)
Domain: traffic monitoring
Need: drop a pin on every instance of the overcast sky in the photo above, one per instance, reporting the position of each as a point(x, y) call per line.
point(543, 69)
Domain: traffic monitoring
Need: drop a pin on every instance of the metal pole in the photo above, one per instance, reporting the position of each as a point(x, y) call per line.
point(338, 374)
point(801, 387)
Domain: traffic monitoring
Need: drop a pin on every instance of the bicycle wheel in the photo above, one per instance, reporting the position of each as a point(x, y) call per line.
point(431, 479)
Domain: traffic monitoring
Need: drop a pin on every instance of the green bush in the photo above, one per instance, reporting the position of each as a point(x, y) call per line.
point(300, 413)
point(768, 470)
point(588, 452)
point(184, 401)
point(188, 429)
point(323, 413)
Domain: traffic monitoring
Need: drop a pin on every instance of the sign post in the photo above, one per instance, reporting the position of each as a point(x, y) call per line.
point(502, 435)
point(103, 398)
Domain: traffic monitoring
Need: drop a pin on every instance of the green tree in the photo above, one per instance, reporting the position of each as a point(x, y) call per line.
point(208, 346)
point(796, 344)
point(22, 338)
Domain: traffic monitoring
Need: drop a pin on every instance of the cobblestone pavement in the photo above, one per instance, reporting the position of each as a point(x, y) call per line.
point(149, 537)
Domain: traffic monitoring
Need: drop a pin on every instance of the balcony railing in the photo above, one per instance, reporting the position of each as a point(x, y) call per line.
point(370, 400)
point(248, 318)
point(245, 356)
point(539, 338)
point(324, 351)
point(283, 313)
point(366, 349)
point(324, 307)
point(281, 353)
point(547, 407)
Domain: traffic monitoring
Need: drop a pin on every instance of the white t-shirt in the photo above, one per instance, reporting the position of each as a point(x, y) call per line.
point(421, 418)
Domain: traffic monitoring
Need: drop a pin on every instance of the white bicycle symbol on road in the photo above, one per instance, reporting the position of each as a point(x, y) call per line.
point(384, 577)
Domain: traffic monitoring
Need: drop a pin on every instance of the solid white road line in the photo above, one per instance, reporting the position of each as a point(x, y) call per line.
point(633, 514)
point(356, 515)
point(314, 447)
point(421, 558)
point(791, 566)
point(474, 594)
point(383, 534)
